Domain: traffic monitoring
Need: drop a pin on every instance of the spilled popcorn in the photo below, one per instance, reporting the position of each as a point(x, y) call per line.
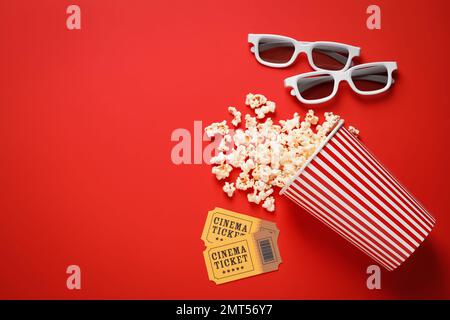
point(353, 131)
point(268, 155)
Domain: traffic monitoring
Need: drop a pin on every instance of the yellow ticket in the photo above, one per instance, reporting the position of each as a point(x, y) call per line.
point(222, 225)
point(242, 257)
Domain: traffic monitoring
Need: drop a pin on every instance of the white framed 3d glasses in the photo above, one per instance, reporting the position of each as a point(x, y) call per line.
point(279, 52)
point(320, 86)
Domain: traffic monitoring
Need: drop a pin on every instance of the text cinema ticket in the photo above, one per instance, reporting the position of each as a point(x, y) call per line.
point(242, 257)
point(222, 225)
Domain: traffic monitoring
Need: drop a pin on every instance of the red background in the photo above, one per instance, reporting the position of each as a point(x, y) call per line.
point(86, 117)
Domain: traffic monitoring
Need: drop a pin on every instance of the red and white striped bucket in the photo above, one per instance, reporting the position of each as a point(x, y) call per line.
point(346, 188)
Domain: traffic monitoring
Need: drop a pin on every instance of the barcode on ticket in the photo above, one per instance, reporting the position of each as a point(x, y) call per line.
point(265, 247)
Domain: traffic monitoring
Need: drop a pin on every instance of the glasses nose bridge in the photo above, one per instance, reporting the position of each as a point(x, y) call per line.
point(339, 77)
point(302, 47)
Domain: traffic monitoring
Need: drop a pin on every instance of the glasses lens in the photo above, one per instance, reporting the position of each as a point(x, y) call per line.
point(316, 87)
point(370, 78)
point(275, 50)
point(330, 56)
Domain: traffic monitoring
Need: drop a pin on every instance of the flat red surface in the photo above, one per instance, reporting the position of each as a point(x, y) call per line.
point(86, 117)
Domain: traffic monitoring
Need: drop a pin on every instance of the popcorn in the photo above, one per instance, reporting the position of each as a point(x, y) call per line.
point(229, 189)
point(281, 180)
point(253, 197)
point(241, 138)
point(250, 122)
point(262, 154)
point(264, 194)
point(223, 145)
point(265, 109)
point(260, 185)
point(268, 155)
point(217, 128)
point(237, 156)
point(260, 104)
point(255, 100)
point(353, 131)
point(269, 204)
point(219, 159)
point(262, 173)
point(244, 182)
point(248, 165)
point(311, 118)
point(330, 121)
point(222, 171)
point(271, 106)
point(290, 124)
point(256, 197)
point(236, 116)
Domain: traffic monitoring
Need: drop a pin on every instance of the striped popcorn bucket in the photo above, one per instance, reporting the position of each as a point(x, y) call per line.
point(347, 189)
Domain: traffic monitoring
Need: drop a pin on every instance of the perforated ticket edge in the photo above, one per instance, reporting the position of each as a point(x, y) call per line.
point(256, 225)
